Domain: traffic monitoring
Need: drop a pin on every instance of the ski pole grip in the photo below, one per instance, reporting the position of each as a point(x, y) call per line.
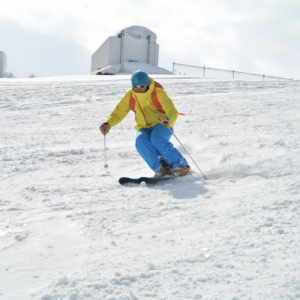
point(104, 128)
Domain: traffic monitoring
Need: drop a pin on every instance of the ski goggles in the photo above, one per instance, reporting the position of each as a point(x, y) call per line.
point(139, 86)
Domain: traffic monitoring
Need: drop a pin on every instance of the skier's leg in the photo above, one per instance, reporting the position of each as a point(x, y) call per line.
point(147, 151)
point(159, 138)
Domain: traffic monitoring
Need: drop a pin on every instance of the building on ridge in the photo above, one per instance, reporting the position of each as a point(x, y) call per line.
point(130, 49)
point(3, 63)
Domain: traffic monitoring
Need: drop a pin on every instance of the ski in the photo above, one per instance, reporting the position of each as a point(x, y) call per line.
point(147, 180)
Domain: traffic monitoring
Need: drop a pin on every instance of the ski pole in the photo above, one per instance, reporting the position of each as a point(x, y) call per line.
point(105, 165)
point(187, 153)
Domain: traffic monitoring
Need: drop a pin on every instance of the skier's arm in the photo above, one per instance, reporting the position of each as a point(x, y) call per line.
point(120, 112)
point(168, 106)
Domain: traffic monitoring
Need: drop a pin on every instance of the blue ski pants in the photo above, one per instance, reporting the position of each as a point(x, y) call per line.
point(153, 143)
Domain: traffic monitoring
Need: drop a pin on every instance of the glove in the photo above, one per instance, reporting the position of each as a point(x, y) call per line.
point(104, 128)
point(163, 120)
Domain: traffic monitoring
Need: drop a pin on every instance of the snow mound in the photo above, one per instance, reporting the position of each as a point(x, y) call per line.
point(130, 67)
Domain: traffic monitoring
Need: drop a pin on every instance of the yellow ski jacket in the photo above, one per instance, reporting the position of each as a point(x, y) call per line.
point(145, 111)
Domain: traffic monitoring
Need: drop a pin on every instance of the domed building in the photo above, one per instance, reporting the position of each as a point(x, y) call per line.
point(130, 49)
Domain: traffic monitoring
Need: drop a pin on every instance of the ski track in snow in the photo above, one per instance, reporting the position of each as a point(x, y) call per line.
point(68, 230)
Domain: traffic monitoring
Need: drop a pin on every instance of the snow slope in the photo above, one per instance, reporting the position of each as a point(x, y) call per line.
point(69, 231)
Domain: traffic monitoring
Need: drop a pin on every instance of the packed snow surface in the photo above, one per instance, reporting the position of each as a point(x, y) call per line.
point(69, 231)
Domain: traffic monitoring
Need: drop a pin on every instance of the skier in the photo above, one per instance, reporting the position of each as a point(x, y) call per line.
point(154, 125)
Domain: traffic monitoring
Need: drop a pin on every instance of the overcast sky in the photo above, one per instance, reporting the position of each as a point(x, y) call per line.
point(58, 37)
